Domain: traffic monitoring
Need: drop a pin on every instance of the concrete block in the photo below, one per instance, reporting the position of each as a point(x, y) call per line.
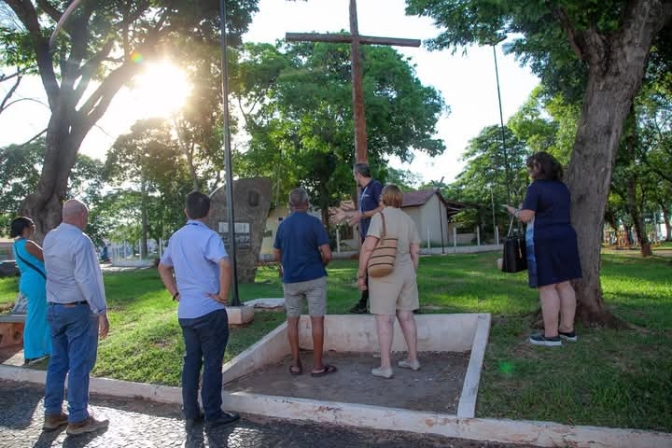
point(239, 315)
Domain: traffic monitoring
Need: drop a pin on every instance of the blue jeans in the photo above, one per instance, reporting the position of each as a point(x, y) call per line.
point(74, 338)
point(205, 340)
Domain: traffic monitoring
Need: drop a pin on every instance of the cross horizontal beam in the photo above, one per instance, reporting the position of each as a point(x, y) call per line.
point(348, 38)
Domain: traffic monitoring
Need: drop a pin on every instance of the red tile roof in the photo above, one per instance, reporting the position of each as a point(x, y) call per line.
point(417, 198)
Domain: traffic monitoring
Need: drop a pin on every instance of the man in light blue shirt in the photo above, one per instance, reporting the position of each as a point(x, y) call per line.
point(77, 315)
point(197, 257)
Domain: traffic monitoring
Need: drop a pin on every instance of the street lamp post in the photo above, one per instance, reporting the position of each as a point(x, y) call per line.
point(494, 221)
point(235, 301)
point(501, 123)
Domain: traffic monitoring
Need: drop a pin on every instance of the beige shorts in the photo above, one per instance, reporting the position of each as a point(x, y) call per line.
point(396, 292)
point(313, 291)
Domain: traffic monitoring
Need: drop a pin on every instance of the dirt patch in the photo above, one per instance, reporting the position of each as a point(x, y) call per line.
point(436, 387)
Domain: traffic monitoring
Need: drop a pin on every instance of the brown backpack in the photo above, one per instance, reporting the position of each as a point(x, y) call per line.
point(384, 254)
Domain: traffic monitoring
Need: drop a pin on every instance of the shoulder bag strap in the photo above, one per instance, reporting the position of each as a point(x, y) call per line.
point(510, 232)
point(28, 263)
point(382, 216)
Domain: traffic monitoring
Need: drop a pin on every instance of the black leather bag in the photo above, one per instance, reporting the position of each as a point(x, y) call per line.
point(514, 258)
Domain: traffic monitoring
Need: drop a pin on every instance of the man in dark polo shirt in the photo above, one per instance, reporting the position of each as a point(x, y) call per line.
point(369, 205)
point(302, 247)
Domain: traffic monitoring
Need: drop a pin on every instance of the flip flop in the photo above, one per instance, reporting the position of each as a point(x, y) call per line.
point(327, 370)
point(295, 370)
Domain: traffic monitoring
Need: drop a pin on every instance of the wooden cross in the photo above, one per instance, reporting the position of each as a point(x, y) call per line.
point(355, 40)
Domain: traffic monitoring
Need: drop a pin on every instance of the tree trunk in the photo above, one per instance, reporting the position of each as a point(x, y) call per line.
point(638, 221)
point(610, 217)
point(616, 64)
point(144, 219)
point(606, 104)
point(45, 205)
point(633, 179)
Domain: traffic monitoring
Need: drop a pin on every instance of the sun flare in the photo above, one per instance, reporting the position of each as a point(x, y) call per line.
point(160, 90)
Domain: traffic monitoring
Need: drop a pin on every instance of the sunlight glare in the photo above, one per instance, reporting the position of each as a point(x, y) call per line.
point(160, 90)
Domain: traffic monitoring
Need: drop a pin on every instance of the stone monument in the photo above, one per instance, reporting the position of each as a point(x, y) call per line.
point(251, 204)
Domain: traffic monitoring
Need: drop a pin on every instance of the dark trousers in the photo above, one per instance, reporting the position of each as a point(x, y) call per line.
point(205, 340)
point(364, 299)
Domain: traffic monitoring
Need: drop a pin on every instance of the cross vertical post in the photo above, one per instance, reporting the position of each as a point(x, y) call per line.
point(355, 40)
point(361, 150)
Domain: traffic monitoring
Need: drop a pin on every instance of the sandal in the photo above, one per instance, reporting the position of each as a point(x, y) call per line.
point(327, 370)
point(296, 370)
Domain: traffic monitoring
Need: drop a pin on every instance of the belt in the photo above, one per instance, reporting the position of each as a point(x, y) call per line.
point(82, 302)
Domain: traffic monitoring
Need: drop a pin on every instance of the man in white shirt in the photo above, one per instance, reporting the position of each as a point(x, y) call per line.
point(202, 269)
point(77, 315)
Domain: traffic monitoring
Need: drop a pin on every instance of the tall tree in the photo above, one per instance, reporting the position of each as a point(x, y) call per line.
point(99, 51)
point(297, 101)
point(492, 173)
point(606, 43)
point(147, 160)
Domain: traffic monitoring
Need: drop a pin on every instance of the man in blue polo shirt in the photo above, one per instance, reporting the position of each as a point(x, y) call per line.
point(369, 205)
point(302, 247)
point(196, 255)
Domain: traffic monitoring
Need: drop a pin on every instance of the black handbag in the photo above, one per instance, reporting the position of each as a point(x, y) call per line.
point(514, 258)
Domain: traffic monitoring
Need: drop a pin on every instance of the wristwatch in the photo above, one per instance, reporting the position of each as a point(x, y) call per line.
point(175, 295)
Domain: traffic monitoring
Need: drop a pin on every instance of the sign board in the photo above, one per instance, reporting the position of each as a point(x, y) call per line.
point(242, 235)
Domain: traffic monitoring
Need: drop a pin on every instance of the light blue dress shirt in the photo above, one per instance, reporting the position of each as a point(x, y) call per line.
point(73, 271)
point(194, 252)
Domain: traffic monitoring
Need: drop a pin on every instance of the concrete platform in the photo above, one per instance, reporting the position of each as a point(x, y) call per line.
point(351, 336)
point(442, 375)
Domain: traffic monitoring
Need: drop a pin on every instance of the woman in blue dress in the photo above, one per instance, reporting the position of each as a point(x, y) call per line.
point(29, 257)
point(552, 248)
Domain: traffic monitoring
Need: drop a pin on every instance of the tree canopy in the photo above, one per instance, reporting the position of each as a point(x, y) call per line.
point(296, 100)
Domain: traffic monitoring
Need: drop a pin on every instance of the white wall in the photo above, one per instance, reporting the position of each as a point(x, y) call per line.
point(434, 220)
point(272, 224)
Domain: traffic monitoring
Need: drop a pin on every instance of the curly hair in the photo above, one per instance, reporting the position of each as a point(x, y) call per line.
point(544, 166)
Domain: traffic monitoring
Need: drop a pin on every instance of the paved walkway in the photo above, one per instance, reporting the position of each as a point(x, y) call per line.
point(142, 424)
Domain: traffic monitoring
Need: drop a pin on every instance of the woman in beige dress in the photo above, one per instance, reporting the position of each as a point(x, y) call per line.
point(396, 293)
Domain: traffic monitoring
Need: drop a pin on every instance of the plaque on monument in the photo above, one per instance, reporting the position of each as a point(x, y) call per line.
point(251, 204)
point(242, 234)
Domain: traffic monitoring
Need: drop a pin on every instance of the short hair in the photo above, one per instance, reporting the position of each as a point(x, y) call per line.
point(544, 166)
point(198, 205)
point(19, 225)
point(363, 169)
point(392, 196)
point(298, 197)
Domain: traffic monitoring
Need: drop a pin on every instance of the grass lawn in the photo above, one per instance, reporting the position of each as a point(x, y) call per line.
point(608, 378)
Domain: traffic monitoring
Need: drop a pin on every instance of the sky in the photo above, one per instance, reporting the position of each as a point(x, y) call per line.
point(467, 82)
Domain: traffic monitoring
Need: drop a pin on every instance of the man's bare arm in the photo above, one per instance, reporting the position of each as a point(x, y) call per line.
point(166, 273)
point(225, 276)
point(325, 249)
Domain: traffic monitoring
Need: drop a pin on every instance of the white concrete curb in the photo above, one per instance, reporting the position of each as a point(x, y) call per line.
point(467, 404)
point(357, 415)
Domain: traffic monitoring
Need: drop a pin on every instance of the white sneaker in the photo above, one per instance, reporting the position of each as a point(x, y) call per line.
point(404, 364)
point(382, 373)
